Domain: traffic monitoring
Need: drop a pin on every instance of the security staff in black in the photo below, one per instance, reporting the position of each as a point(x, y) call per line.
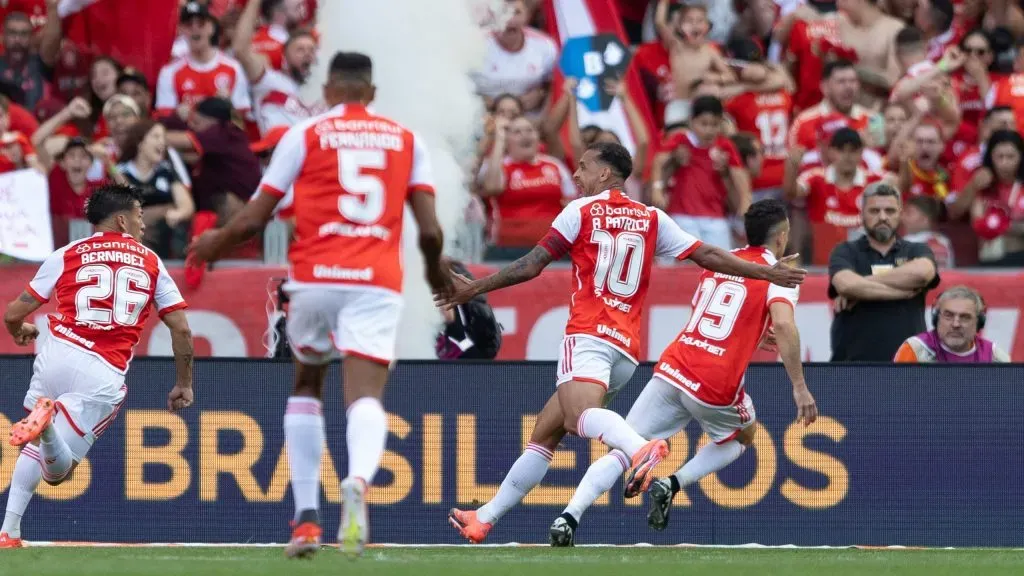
point(879, 283)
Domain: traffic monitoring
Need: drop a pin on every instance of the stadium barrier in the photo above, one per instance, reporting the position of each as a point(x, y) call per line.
point(902, 455)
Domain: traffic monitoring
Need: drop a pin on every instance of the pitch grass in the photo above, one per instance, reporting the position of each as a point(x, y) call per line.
point(527, 561)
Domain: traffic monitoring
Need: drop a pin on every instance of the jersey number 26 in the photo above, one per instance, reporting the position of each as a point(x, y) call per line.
point(93, 302)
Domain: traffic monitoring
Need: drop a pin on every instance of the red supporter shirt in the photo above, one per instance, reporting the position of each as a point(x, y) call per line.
point(189, 82)
point(1007, 194)
point(950, 38)
point(1008, 91)
point(809, 42)
point(934, 183)
point(34, 9)
point(104, 286)
point(534, 195)
point(966, 165)
point(347, 175)
point(613, 241)
point(969, 96)
point(21, 119)
point(64, 201)
point(805, 128)
point(830, 204)
point(651, 61)
point(696, 189)
point(730, 314)
point(767, 115)
point(270, 41)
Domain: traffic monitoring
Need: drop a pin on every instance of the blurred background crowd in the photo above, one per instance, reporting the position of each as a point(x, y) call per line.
point(725, 102)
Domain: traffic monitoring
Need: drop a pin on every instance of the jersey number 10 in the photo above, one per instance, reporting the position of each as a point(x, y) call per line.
point(621, 255)
point(718, 306)
point(92, 301)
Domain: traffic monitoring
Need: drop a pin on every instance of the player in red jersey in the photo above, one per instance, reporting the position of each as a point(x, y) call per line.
point(700, 375)
point(612, 242)
point(103, 286)
point(346, 176)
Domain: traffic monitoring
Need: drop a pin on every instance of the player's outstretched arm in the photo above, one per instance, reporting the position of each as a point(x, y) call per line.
point(523, 269)
point(181, 346)
point(715, 259)
point(212, 244)
point(14, 318)
point(787, 339)
point(431, 240)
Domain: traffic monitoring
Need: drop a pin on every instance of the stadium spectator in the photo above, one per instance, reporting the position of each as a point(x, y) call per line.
point(840, 87)
point(810, 35)
point(997, 203)
point(275, 86)
point(132, 83)
point(16, 149)
point(120, 113)
point(166, 199)
point(691, 56)
point(878, 283)
point(1005, 91)
point(103, 75)
point(921, 174)
point(203, 72)
point(703, 175)
point(20, 63)
point(922, 79)
point(527, 189)
point(872, 35)
point(920, 218)
point(70, 185)
point(519, 61)
point(957, 318)
point(972, 82)
point(280, 17)
point(895, 117)
point(936, 20)
point(227, 171)
point(651, 61)
point(967, 163)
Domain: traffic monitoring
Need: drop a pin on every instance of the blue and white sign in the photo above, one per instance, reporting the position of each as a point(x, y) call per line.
point(592, 60)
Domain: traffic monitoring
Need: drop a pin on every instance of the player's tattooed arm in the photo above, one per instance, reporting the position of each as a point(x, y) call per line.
point(523, 269)
point(18, 310)
point(717, 260)
point(181, 346)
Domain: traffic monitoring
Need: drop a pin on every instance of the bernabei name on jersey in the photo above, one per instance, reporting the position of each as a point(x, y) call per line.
point(113, 256)
point(701, 344)
point(354, 231)
point(614, 334)
point(374, 140)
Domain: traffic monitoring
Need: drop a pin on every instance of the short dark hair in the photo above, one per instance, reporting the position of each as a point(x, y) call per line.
point(746, 144)
point(846, 138)
point(883, 190)
point(997, 110)
point(833, 66)
point(762, 220)
point(109, 200)
point(707, 105)
point(351, 66)
point(268, 7)
point(928, 205)
point(297, 34)
point(134, 137)
point(17, 17)
point(615, 156)
point(909, 38)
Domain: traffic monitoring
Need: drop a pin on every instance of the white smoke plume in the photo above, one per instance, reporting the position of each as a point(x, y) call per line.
point(423, 52)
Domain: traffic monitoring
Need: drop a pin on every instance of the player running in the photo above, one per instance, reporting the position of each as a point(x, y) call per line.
point(700, 375)
point(103, 285)
point(347, 175)
point(612, 241)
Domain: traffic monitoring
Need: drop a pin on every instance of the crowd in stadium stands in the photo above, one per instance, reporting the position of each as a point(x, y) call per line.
point(737, 100)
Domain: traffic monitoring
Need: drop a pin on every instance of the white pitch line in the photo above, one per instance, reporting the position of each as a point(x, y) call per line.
point(507, 545)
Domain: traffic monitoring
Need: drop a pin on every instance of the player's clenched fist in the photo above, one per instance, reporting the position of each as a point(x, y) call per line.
point(180, 397)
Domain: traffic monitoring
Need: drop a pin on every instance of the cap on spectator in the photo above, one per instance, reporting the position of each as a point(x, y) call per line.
point(195, 10)
point(993, 223)
point(122, 100)
point(216, 108)
point(132, 75)
point(269, 140)
point(76, 142)
point(830, 125)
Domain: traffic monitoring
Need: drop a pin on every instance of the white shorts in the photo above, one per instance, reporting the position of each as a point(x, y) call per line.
point(362, 323)
point(87, 391)
point(589, 360)
point(662, 410)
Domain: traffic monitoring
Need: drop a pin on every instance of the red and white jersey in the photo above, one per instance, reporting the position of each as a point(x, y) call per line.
point(827, 202)
point(730, 314)
point(1008, 91)
point(766, 114)
point(270, 41)
point(804, 131)
point(613, 241)
point(870, 160)
point(346, 176)
point(915, 71)
point(104, 285)
point(516, 72)
point(185, 81)
point(276, 102)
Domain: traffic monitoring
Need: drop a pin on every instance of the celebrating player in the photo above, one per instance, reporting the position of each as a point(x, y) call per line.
point(103, 285)
point(700, 375)
point(347, 175)
point(612, 242)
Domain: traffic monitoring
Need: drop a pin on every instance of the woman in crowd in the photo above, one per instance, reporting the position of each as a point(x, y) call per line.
point(997, 203)
point(167, 200)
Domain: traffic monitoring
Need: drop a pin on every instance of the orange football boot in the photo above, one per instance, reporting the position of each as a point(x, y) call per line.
point(466, 523)
point(644, 462)
point(8, 542)
point(305, 540)
point(33, 425)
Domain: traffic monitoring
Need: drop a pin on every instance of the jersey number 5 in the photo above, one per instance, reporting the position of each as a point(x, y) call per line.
point(363, 200)
point(92, 302)
point(718, 306)
point(621, 255)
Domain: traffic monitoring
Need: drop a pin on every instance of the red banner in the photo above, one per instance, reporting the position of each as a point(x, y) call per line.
point(227, 313)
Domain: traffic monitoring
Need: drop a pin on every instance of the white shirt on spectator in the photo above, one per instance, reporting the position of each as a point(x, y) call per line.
point(276, 101)
point(517, 72)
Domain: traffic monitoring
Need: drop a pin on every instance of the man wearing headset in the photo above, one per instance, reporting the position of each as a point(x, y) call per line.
point(957, 317)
